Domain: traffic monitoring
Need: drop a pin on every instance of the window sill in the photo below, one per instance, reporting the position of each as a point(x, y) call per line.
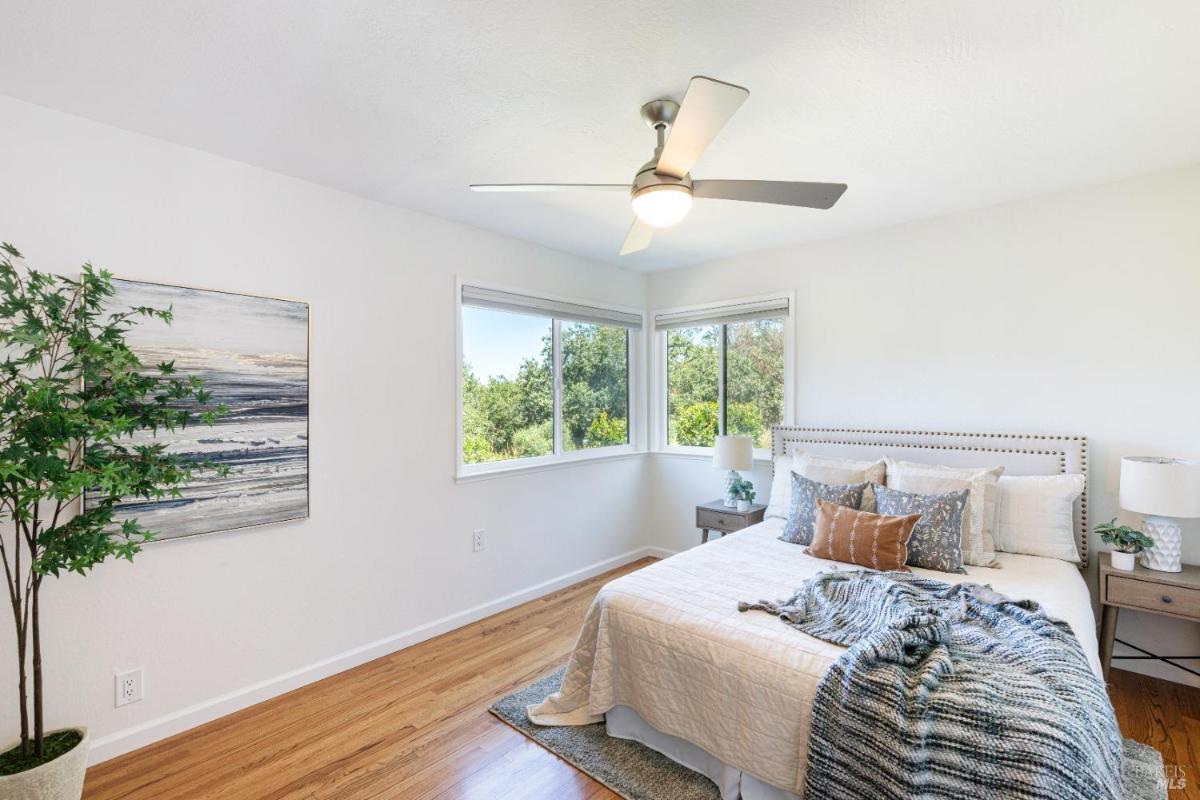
point(513, 468)
point(706, 454)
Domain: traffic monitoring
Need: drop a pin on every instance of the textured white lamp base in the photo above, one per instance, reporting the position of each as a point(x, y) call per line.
point(730, 500)
point(1168, 544)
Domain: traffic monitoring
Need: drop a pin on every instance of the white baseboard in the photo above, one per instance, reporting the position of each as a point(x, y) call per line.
point(123, 741)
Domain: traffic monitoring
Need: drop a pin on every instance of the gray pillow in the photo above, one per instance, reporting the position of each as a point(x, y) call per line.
point(936, 542)
point(802, 511)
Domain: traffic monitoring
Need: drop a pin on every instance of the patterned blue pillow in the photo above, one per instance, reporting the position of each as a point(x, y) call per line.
point(936, 542)
point(802, 511)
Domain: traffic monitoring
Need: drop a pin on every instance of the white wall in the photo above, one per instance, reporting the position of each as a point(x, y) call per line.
point(387, 548)
point(1072, 313)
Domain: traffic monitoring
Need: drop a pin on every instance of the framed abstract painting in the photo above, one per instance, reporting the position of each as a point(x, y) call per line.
point(252, 353)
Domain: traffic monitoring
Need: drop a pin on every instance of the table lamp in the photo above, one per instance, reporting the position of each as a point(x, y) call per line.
point(1164, 490)
point(733, 453)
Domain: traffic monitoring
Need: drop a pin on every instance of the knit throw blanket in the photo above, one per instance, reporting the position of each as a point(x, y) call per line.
point(949, 692)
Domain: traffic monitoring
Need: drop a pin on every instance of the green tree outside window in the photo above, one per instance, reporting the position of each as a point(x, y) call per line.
point(754, 381)
point(505, 419)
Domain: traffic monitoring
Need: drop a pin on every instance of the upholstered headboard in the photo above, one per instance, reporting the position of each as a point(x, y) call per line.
point(1021, 454)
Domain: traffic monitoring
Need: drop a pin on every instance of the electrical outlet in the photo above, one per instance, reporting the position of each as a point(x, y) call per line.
point(477, 542)
point(128, 686)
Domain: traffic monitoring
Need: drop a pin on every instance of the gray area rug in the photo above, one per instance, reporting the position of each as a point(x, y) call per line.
point(636, 772)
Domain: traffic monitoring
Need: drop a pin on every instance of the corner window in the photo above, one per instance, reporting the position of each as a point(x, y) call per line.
point(724, 371)
point(542, 380)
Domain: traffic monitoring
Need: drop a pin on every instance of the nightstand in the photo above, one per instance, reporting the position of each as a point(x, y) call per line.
point(1173, 594)
point(716, 516)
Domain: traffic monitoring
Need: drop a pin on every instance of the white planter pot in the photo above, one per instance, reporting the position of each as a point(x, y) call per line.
point(60, 779)
point(1123, 561)
point(743, 505)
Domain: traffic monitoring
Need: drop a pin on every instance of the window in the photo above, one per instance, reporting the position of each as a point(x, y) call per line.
point(725, 371)
point(693, 385)
point(595, 394)
point(542, 380)
point(508, 392)
point(754, 379)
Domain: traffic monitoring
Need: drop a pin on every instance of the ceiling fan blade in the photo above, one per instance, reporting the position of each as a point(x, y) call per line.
point(705, 109)
point(784, 193)
point(638, 237)
point(549, 187)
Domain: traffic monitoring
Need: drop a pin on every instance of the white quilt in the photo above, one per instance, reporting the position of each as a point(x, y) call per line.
point(669, 642)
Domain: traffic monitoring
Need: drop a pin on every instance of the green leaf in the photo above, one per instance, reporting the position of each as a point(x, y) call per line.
point(68, 373)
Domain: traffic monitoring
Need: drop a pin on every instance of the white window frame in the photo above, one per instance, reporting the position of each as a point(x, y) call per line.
point(560, 458)
point(658, 381)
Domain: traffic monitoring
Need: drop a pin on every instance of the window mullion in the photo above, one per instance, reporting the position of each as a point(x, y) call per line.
point(661, 391)
point(629, 420)
point(557, 382)
point(721, 359)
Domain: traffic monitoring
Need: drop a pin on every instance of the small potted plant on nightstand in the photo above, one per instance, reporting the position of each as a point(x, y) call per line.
point(1126, 542)
point(743, 490)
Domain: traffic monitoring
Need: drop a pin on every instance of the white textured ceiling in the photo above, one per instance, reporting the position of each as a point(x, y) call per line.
point(921, 107)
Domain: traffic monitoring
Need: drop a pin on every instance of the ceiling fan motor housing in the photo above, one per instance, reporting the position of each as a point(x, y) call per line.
point(648, 180)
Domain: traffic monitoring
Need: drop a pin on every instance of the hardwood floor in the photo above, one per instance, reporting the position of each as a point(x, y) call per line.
point(1165, 715)
point(414, 724)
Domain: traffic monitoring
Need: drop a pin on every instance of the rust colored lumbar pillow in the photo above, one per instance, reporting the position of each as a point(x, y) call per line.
point(860, 537)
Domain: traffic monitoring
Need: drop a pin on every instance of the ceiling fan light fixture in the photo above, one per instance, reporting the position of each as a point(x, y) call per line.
point(662, 189)
point(662, 205)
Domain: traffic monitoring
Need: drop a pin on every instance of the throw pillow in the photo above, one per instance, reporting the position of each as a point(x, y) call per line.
point(860, 537)
point(937, 540)
point(978, 546)
point(781, 488)
point(832, 470)
point(823, 469)
point(1037, 515)
point(803, 509)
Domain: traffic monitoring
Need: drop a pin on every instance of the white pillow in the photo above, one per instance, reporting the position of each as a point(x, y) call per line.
point(839, 471)
point(1037, 515)
point(781, 488)
point(823, 469)
point(978, 547)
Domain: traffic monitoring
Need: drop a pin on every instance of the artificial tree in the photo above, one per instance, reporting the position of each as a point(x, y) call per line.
point(72, 396)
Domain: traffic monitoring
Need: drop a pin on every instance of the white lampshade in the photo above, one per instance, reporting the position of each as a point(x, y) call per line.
point(1162, 487)
point(734, 452)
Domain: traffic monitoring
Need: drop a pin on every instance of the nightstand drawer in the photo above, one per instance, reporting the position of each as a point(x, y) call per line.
point(1153, 596)
point(707, 518)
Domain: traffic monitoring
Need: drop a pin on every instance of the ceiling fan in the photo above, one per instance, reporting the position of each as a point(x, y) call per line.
point(662, 189)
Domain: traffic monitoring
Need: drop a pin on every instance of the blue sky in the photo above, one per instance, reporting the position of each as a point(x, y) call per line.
point(496, 342)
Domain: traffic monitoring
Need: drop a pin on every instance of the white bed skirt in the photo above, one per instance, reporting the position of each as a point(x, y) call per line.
point(625, 723)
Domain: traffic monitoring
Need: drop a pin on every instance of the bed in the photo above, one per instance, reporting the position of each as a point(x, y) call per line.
point(665, 658)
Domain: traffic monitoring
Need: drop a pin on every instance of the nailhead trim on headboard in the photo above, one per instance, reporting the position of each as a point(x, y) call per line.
point(1023, 443)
